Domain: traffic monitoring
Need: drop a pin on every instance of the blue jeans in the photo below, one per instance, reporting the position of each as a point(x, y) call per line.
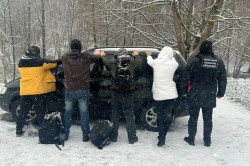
point(71, 99)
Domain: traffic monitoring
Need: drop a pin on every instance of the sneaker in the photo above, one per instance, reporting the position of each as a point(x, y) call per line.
point(132, 140)
point(190, 142)
point(207, 143)
point(161, 143)
point(85, 139)
point(19, 133)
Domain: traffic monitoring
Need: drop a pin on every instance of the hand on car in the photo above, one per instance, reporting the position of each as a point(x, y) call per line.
point(149, 53)
point(174, 52)
point(103, 53)
point(99, 52)
point(135, 53)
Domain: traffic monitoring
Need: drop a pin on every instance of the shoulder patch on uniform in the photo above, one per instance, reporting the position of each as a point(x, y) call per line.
point(209, 62)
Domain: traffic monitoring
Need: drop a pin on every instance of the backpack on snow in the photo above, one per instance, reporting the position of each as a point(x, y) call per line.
point(124, 77)
point(52, 130)
point(101, 133)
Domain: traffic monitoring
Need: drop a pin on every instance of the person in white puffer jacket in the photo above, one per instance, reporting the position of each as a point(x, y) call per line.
point(164, 89)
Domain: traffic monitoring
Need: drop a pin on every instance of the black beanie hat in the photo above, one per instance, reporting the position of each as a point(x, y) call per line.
point(75, 44)
point(33, 50)
point(206, 47)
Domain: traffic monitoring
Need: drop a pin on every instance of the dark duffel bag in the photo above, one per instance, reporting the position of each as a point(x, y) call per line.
point(101, 133)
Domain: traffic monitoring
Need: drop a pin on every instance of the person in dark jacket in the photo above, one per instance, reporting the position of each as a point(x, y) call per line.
point(76, 66)
point(36, 84)
point(121, 97)
point(207, 75)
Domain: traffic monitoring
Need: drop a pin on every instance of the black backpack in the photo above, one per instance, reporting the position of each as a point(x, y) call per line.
point(124, 77)
point(52, 130)
point(101, 133)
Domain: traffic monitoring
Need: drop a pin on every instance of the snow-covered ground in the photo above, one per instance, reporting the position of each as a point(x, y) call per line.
point(230, 145)
point(238, 90)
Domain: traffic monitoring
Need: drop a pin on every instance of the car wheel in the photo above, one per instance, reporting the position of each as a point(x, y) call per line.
point(149, 117)
point(15, 109)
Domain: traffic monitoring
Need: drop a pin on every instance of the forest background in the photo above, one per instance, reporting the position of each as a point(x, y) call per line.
point(181, 24)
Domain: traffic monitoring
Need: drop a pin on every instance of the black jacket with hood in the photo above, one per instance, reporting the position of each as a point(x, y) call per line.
point(207, 82)
point(111, 63)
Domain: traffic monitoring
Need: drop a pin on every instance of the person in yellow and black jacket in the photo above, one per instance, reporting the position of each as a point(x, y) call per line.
point(36, 84)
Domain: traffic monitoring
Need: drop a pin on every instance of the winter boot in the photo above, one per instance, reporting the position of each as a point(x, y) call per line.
point(161, 139)
point(207, 143)
point(189, 141)
point(19, 133)
point(85, 139)
point(161, 143)
point(132, 140)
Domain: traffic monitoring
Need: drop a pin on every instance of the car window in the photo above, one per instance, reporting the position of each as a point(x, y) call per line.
point(180, 60)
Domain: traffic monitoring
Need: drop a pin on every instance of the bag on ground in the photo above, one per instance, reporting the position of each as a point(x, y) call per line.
point(100, 134)
point(52, 130)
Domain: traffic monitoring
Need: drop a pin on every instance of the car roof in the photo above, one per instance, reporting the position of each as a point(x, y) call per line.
point(155, 51)
point(128, 48)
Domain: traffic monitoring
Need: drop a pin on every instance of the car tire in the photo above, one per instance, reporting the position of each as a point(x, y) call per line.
point(15, 108)
point(149, 117)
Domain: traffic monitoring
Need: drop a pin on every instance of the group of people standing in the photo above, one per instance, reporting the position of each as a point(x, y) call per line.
point(206, 74)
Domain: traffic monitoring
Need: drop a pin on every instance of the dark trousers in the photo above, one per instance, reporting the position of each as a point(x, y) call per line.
point(164, 110)
point(125, 101)
point(207, 122)
point(32, 102)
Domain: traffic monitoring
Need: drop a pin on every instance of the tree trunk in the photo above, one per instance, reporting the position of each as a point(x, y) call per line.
point(3, 59)
point(94, 25)
point(43, 30)
point(12, 41)
point(206, 27)
point(178, 29)
point(29, 25)
point(205, 34)
point(125, 24)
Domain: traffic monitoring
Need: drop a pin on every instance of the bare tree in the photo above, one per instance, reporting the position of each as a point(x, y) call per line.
point(181, 24)
point(4, 42)
point(29, 24)
point(43, 29)
point(12, 40)
point(199, 31)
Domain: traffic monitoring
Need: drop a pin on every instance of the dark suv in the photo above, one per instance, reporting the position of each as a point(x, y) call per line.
point(100, 93)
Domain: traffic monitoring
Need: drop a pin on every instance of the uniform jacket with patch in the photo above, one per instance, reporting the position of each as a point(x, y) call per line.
point(205, 82)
